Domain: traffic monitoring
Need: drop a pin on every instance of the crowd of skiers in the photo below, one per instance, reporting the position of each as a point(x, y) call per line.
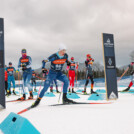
point(57, 60)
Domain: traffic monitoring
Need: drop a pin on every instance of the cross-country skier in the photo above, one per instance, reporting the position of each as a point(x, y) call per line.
point(51, 86)
point(89, 73)
point(44, 71)
point(6, 82)
point(33, 79)
point(10, 70)
point(131, 66)
point(72, 68)
point(57, 61)
point(25, 64)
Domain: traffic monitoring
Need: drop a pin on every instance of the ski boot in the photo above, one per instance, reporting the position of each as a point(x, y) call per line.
point(57, 90)
point(36, 103)
point(23, 97)
point(14, 92)
point(69, 90)
point(73, 90)
point(51, 90)
point(66, 100)
point(8, 93)
point(93, 92)
point(31, 95)
point(35, 90)
point(126, 89)
point(84, 92)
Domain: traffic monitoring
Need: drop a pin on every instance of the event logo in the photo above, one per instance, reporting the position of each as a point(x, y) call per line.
point(110, 61)
point(108, 43)
point(112, 96)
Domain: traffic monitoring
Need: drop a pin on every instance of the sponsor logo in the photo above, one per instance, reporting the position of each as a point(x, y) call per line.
point(108, 43)
point(110, 61)
point(112, 96)
point(24, 60)
point(60, 61)
point(1, 32)
point(72, 65)
point(11, 69)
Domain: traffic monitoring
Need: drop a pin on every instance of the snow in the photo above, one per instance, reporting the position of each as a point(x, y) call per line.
point(115, 118)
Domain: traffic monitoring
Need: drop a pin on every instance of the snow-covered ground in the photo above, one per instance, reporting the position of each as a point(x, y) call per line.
point(115, 118)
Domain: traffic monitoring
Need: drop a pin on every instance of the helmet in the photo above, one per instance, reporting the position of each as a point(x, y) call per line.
point(10, 63)
point(23, 50)
point(88, 55)
point(72, 58)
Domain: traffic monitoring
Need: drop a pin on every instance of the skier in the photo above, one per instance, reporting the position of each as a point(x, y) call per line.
point(89, 73)
point(44, 71)
point(57, 61)
point(25, 64)
point(72, 69)
point(131, 66)
point(33, 79)
point(10, 70)
point(6, 82)
point(51, 86)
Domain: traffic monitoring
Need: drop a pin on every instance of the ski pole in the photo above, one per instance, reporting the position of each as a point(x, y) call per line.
point(19, 81)
point(123, 74)
point(41, 84)
point(60, 93)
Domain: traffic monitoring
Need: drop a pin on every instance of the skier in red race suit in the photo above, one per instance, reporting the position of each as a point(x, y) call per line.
point(6, 82)
point(131, 66)
point(73, 66)
point(89, 73)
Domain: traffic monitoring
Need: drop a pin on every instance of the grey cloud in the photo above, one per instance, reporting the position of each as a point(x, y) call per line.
point(41, 25)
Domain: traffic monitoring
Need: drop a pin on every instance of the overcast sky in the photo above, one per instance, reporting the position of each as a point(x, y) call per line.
point(41, 25)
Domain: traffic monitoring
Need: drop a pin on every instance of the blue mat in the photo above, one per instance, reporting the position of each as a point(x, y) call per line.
point(16, 124)
point(97, 97)
point(35, 93)
point(49, 94)
point(101, 91)
point(72, 96)
point(79, 91)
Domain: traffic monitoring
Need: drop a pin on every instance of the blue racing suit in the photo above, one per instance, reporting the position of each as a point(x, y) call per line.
point(10, 71)
point(57, 63)
point(25, 64)
point(51, 84)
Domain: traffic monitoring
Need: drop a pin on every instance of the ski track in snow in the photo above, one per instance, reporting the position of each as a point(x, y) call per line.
point(115, 118)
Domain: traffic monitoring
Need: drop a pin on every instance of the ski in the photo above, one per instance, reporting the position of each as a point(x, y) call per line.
point(126, 91)
point(19, 100)
point(79, 103)
point(24, 110)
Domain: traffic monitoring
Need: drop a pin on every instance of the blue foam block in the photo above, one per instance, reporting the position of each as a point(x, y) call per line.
point(79, 91)
point(54, 90)
point(15, 124)
point(101, 91)
point(49, 94)
point(97, 97)
point(72, 96)
point(35, 93)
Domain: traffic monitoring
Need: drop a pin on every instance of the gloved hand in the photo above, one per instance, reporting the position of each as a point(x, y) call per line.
point(44, 70)
point(132, 72)
point(45, 60)
point(68, 63)
point(17, 70)
point(24, 68)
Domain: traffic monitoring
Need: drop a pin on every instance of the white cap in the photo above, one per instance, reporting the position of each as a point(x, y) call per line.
point(62, 47)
